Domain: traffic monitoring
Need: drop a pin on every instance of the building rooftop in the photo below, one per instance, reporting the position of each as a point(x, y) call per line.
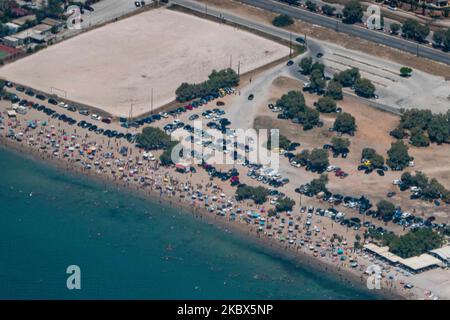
point(41, 28)
point(443, 252)
point(383, 252)
point(21, 21)
point(52, 22)
point(420, 262)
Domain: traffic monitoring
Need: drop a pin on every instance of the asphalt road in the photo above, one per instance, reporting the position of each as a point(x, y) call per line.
point(353, 30)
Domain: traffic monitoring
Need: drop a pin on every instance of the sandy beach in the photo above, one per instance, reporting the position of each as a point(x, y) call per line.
point(216, 203)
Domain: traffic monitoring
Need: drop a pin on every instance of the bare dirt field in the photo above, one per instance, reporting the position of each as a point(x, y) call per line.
point(115, 66)
point(373, 131)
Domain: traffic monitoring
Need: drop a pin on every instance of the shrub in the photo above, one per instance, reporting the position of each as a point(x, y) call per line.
point(282, 20)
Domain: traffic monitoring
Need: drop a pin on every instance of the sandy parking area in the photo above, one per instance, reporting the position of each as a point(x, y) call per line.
point(117, 65)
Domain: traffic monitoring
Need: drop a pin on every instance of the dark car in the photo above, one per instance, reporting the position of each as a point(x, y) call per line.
point(290, 63)
point(380, 172)
point(391, 194)
point(319, 55)
point(52, 101)
point(251, 96)
point(300, 40)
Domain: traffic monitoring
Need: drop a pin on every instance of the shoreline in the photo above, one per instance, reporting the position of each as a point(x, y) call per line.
point(267, 245)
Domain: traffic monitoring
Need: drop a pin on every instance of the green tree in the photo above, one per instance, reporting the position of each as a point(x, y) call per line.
point(326, 105)
point(282, 20)
point(55, 7)
point(439, 37)
point(306, 65)
point(328, 10)
point(407, 179)
point(216, 80)
point(398, 156)
point(415, 118)
point(311, 6)
point(433, 190)
point(340, 145)
point(438, 129)
point(302, 157)
point(364, 88)
point(293, 102)
point(317, 81)
point(446, 42)
point(412, 29)
point(284, 204)
point(418, 138)
point(334, 90)
point(310, 118)
point(318, 185)
point(376, 159)
point(405, 72)
point(415, 242)
point(318, 160)
point(166, 157)
point(347, 78)
point(153, 138)
point(352, 12)
point(257, 194)
point(345, 123)
point(385, 209)
point(398, 133)
point(395, 28)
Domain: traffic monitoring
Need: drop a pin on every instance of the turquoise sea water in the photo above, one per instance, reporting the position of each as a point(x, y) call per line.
point(129, 248)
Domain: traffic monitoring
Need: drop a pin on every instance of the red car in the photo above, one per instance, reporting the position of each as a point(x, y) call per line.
point(339, 173)
point(188, 107)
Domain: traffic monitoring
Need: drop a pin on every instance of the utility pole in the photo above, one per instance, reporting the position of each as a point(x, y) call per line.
point(290, 44)
point(130, 116)
point(239, 68)
point(151, 110)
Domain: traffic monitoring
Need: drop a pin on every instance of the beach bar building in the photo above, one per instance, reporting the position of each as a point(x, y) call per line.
point(383, 253)
point(416, 264)
point(420, 263)
point(442, 254)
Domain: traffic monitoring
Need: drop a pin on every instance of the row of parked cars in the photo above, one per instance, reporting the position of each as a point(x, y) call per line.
point(178, 111)
point(107, 132)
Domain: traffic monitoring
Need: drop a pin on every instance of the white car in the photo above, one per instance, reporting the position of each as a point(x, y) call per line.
point(397, 182)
